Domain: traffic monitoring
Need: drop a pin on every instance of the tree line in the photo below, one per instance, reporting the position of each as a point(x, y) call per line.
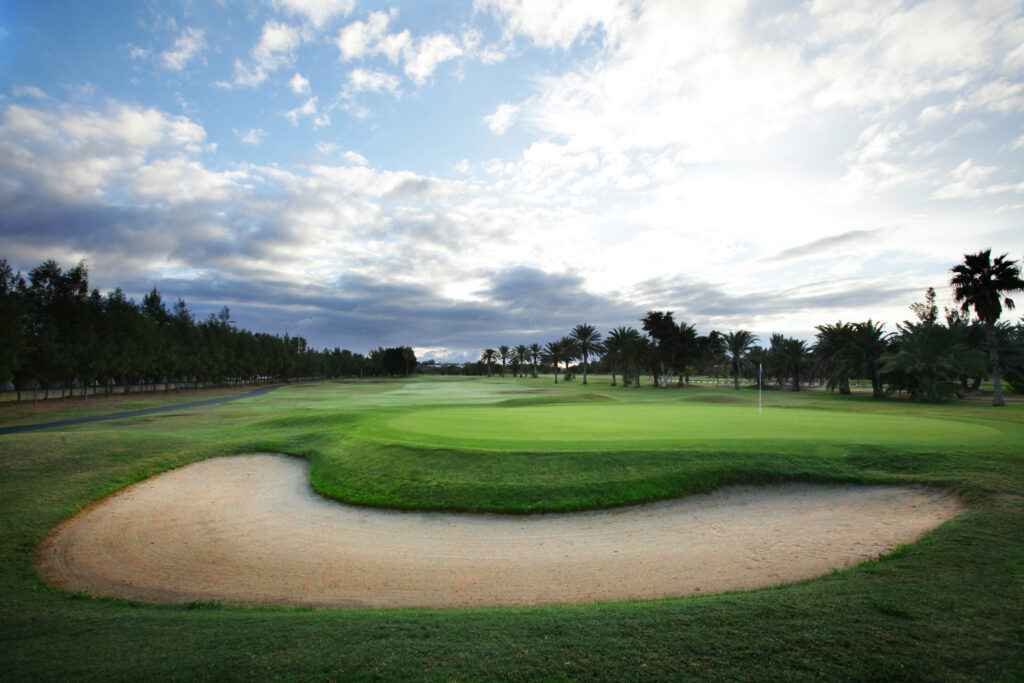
point(57, 333)
point(930, 358)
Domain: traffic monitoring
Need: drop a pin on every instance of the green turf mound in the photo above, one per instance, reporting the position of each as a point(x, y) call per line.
point(578, 426)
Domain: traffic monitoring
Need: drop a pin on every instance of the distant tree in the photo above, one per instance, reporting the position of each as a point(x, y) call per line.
point(588, 340)
point(13, 336)
point(554, 353)
point(869, 342)
point(661, 327)
point(836, 355)
point(926, 360)
point(983, 284)
point(737, 345)
point(520, 357)
point(535, 352)
point(488, 357)
point(616, 349)
point(503, 353)
point(927, 312)
point(794, 355)
point(711, 352)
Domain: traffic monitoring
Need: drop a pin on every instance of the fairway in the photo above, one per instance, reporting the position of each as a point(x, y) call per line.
point(602, 426)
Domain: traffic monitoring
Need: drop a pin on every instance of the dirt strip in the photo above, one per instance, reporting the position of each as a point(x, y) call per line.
point(250, 530)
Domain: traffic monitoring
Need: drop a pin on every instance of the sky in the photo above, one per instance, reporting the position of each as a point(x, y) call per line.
point(459, 175)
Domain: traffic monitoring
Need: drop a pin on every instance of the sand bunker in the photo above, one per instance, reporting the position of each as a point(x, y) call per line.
point(250, 530)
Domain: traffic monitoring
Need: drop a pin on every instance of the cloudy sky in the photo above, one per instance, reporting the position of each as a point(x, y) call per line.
point(454, 175)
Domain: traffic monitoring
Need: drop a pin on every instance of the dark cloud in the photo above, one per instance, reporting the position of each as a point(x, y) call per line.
point(827, 245)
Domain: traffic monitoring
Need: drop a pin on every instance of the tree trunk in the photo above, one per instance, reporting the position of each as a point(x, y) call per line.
point(844, 385)
point(876, 381)
point(993, 355)
point(613, 375)
point(736, 374)
point(584, 367)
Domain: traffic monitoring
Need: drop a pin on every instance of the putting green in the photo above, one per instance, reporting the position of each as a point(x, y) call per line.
point(603, 426)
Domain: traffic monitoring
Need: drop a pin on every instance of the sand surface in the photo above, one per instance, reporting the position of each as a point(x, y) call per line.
point(251, 530)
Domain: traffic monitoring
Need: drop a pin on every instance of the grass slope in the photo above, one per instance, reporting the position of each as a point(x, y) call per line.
point(946, 607)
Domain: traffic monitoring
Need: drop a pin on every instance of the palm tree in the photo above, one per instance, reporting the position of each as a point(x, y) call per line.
point(869, 342)
point(488, 357)
point(554, 351)
point(570, 351)
point(793, 354)
point(927, 359)
point(589, 340)
point(982, 284)
point(520, 355)
point(535, 352)
point(737, 345)
point(503, 352)
point(615, 346)
point(836, 354)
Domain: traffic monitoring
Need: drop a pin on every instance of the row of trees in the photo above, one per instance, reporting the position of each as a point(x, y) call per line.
point(929, 359)
point(56, 332)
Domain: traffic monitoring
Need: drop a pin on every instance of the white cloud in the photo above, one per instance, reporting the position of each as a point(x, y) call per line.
point(275, 49)
point(969, 181)
point(560, 23)
point(29, 91)
point(503, 117)
point(318, 12)
point(930, 114)
point(355, 158)
point(78, 155)
point(360, 38)
point(1018, 143)
point(178, 180)
point(299, 84)
point(360, 80)
point(253, 136)
point(136, 53)
point(423, 58)
point(999, 96)
point(308, 109)
point(188, 45)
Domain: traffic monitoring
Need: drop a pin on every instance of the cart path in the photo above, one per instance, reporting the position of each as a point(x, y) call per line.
point(250, 530)
point(136, 413)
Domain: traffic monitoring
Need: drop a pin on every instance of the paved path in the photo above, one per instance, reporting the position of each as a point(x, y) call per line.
point(134, 413)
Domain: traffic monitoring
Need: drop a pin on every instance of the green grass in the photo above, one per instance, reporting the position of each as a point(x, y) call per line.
point(948, 607)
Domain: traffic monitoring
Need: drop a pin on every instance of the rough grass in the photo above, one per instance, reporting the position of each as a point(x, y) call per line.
point(947, 607)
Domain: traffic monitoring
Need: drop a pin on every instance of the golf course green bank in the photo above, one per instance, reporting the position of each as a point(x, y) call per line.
point(945, 605)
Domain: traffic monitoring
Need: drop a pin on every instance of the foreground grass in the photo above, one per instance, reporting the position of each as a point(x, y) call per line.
point(948, 607)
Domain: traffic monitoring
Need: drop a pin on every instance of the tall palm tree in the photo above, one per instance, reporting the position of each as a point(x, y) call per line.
point(794, 354)
point(614, 346)
point(983, 284)
point(503, 352)
point(488, 357)
point(535, 352)
point(870, 341)
point(553, 353)
point(520, 356)
point(589, 341)
point(570, 351)
point(737, 345)
point(835, 353)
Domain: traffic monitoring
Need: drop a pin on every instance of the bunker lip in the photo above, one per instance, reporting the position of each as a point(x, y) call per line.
point(250, 530)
